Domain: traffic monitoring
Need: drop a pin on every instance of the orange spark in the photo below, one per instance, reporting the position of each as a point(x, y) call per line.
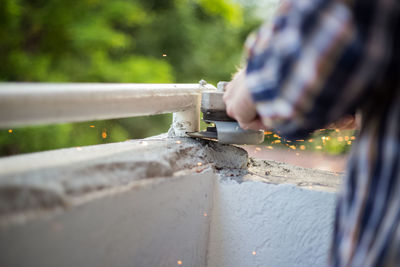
point(164, 55)
point(346, 138)
point(91, 126)
point(270, 147)
point(302, 147)
point(199, 163)
point(277, 141)
point(293, 147)
point(254, 253)
point(104, 134)
point(10, 130)
point(205, 214)
point(349, 142)
point(267, 132)
point(340, 139)
point(353, 138)
point(310, 140)
point(179, 262)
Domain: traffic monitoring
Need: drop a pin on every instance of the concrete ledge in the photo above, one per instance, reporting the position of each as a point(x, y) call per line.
point(51, 179)
point(158, 201)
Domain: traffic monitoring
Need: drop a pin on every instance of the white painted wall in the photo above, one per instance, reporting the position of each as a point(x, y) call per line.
point(156, 224)
point(284, 225)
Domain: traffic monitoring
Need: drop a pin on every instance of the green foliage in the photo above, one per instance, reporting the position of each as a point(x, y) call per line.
point(115, 41)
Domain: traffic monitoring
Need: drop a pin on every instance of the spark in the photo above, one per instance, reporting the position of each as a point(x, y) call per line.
point(270, 147)
point(91, 126)
point(346, 138)
point(10, 131)
point(353, 138)
point(328, 138)
point(178, 142)
point(276, 141)
point(337, 130)
point(340, 139)
point(179, 262)
point(310, 140)
point(254, 253)
point(318, 147)
point(277, 136)
point(205, 214)
point(302, 147)
point(164, 55)
point(267, 132)
point(258, 149)
point(300, 140)
point(349, 142)
point(104, 134)
point(293, 147)
point(199, 163)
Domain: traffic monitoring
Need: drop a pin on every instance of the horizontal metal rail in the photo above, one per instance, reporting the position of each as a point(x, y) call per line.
point(24, 104)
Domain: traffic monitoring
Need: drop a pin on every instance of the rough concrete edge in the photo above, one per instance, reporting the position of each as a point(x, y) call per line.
point(36, 194)
point(76, 201)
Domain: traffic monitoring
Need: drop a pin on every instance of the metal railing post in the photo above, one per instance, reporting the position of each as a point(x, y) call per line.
point(23, 104)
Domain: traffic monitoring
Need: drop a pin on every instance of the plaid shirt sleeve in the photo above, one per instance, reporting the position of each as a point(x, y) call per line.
point(305, 70)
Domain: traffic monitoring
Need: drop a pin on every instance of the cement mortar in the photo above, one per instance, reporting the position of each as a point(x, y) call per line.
point(273, 172)
point(51, 179)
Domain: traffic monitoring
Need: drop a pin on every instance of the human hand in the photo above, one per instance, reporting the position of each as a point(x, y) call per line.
point(239, 104)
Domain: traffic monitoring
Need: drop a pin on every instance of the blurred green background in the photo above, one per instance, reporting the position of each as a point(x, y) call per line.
point(123, 41)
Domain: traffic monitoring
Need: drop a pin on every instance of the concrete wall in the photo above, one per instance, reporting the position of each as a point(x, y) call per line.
point(161, 202)
point(260, 224)
point(157, 224)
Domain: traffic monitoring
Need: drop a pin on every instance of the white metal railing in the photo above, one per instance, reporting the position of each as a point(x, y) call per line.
point(43, 103)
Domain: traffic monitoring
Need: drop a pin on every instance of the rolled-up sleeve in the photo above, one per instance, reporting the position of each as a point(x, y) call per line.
point(311, 65)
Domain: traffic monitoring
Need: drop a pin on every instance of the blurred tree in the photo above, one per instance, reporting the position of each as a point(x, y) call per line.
point(134, 41)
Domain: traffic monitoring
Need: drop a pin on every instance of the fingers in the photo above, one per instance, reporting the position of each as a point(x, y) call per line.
point(239, 104)
point(253, 125)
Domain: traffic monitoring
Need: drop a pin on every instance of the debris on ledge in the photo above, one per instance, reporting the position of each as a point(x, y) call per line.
point(270, 171)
